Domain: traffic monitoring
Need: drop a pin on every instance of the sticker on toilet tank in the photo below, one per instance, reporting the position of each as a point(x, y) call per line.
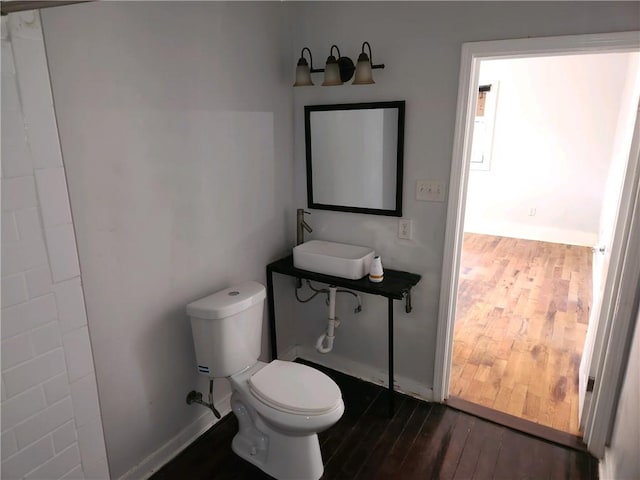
point(203, 369)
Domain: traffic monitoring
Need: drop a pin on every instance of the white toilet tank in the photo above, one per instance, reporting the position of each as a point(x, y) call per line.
point(227, 329)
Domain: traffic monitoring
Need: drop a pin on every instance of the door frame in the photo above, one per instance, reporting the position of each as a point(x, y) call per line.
point(472, 54)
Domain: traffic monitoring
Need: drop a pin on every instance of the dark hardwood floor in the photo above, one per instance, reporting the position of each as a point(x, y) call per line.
point(422, 440)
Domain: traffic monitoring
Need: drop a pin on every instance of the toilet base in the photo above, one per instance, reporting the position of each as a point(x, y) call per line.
point(285, 464)
point(285, 457)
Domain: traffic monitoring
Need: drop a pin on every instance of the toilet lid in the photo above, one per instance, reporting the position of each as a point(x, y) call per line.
point(297, 388)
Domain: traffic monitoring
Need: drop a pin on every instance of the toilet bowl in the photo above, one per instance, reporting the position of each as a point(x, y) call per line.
point(281, 419)
point(280, 406)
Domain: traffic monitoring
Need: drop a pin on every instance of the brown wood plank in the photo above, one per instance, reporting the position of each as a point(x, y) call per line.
point(518, 454)
point(481, 451)
point(375, 414)
point(382, 442)
point(429, 450)
point(405, 441)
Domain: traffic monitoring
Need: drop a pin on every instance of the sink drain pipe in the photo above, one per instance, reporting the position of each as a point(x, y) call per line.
point(333, 323)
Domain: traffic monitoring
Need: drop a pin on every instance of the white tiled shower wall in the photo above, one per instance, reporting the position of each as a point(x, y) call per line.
point(51, 425)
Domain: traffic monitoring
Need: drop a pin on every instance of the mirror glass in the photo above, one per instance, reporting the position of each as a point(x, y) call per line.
point(354, 157)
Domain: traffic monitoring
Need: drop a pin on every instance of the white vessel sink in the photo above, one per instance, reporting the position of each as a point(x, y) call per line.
point(330, 258)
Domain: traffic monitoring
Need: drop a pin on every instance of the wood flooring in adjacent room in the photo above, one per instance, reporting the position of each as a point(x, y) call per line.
point(421, 440)
point(521, 321)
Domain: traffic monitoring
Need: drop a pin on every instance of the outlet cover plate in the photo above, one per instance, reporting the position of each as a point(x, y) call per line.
point(405, 229)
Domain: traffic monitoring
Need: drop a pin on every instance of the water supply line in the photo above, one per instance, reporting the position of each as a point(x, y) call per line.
point(196, 397)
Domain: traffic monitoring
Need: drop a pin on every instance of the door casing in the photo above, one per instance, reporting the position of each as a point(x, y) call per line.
point(472, 55)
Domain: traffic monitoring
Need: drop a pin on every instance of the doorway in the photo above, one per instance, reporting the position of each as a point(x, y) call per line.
point(472, 56)
point(535, 197)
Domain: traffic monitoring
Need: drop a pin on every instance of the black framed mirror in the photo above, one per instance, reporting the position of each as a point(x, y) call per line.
point(355, 157)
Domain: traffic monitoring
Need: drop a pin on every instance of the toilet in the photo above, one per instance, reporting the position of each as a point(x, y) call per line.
point(280, 406)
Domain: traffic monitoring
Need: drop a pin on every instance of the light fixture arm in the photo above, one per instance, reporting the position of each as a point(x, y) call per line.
point(381, 65)
point(311, 69)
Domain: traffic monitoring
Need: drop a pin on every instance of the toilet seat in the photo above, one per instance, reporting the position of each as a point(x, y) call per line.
point(294, 388)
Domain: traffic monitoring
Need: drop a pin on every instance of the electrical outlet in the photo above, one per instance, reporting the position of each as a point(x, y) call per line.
point(532, 212)
point(404, 229)
point(430, 191)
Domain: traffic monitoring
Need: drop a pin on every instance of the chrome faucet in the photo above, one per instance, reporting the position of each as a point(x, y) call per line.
point(302, 225)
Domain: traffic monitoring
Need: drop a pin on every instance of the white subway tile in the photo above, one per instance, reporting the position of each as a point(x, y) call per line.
point(16, 350)
point(10, 95)
point(15, 320)
point(64, 436)
point(29, 225)
point(84, 393)
point(96, 468)
point(25, 255)
point(38, 281)
point(9, 228)
point(12, 258)
point(52, 191)
point(31, 66)
point(34, 253)
point(9, 444)
point(75, 474)
point(42, 310)
point(77, 349)
point(46, 338)
point(21, 407)
point(13, 129)
point(8, 67)
point(57, 388)
point(37, 102)
point(70, 301)
point(16, 157)
point(26, 460)
point(19, 192)
point(91, 442)
point(34, 371)
point(42, 132)
point(58, 465)
point(44, 422)
point(61, 244)
point(14, 290)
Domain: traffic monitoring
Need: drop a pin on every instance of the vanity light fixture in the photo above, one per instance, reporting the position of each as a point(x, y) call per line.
point(303, 72)
point(364, 67)
point(337, 69)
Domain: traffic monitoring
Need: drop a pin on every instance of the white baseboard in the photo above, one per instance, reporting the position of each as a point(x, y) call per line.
point(531, 232)
point(365, 372)
point(177, 444)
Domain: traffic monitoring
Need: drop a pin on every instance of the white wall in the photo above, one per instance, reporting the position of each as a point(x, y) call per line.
point(555, 127)
point(621, 460)
point(51, 426)
point(175, 125)
point(420, 44)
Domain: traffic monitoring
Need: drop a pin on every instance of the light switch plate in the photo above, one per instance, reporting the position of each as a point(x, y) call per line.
point(430, 191)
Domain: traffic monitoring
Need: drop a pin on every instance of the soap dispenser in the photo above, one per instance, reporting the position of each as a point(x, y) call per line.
point(376, 274)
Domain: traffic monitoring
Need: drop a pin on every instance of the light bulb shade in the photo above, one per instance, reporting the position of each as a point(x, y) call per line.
point(363, 74)
point(331, 73)
point(303, 75)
